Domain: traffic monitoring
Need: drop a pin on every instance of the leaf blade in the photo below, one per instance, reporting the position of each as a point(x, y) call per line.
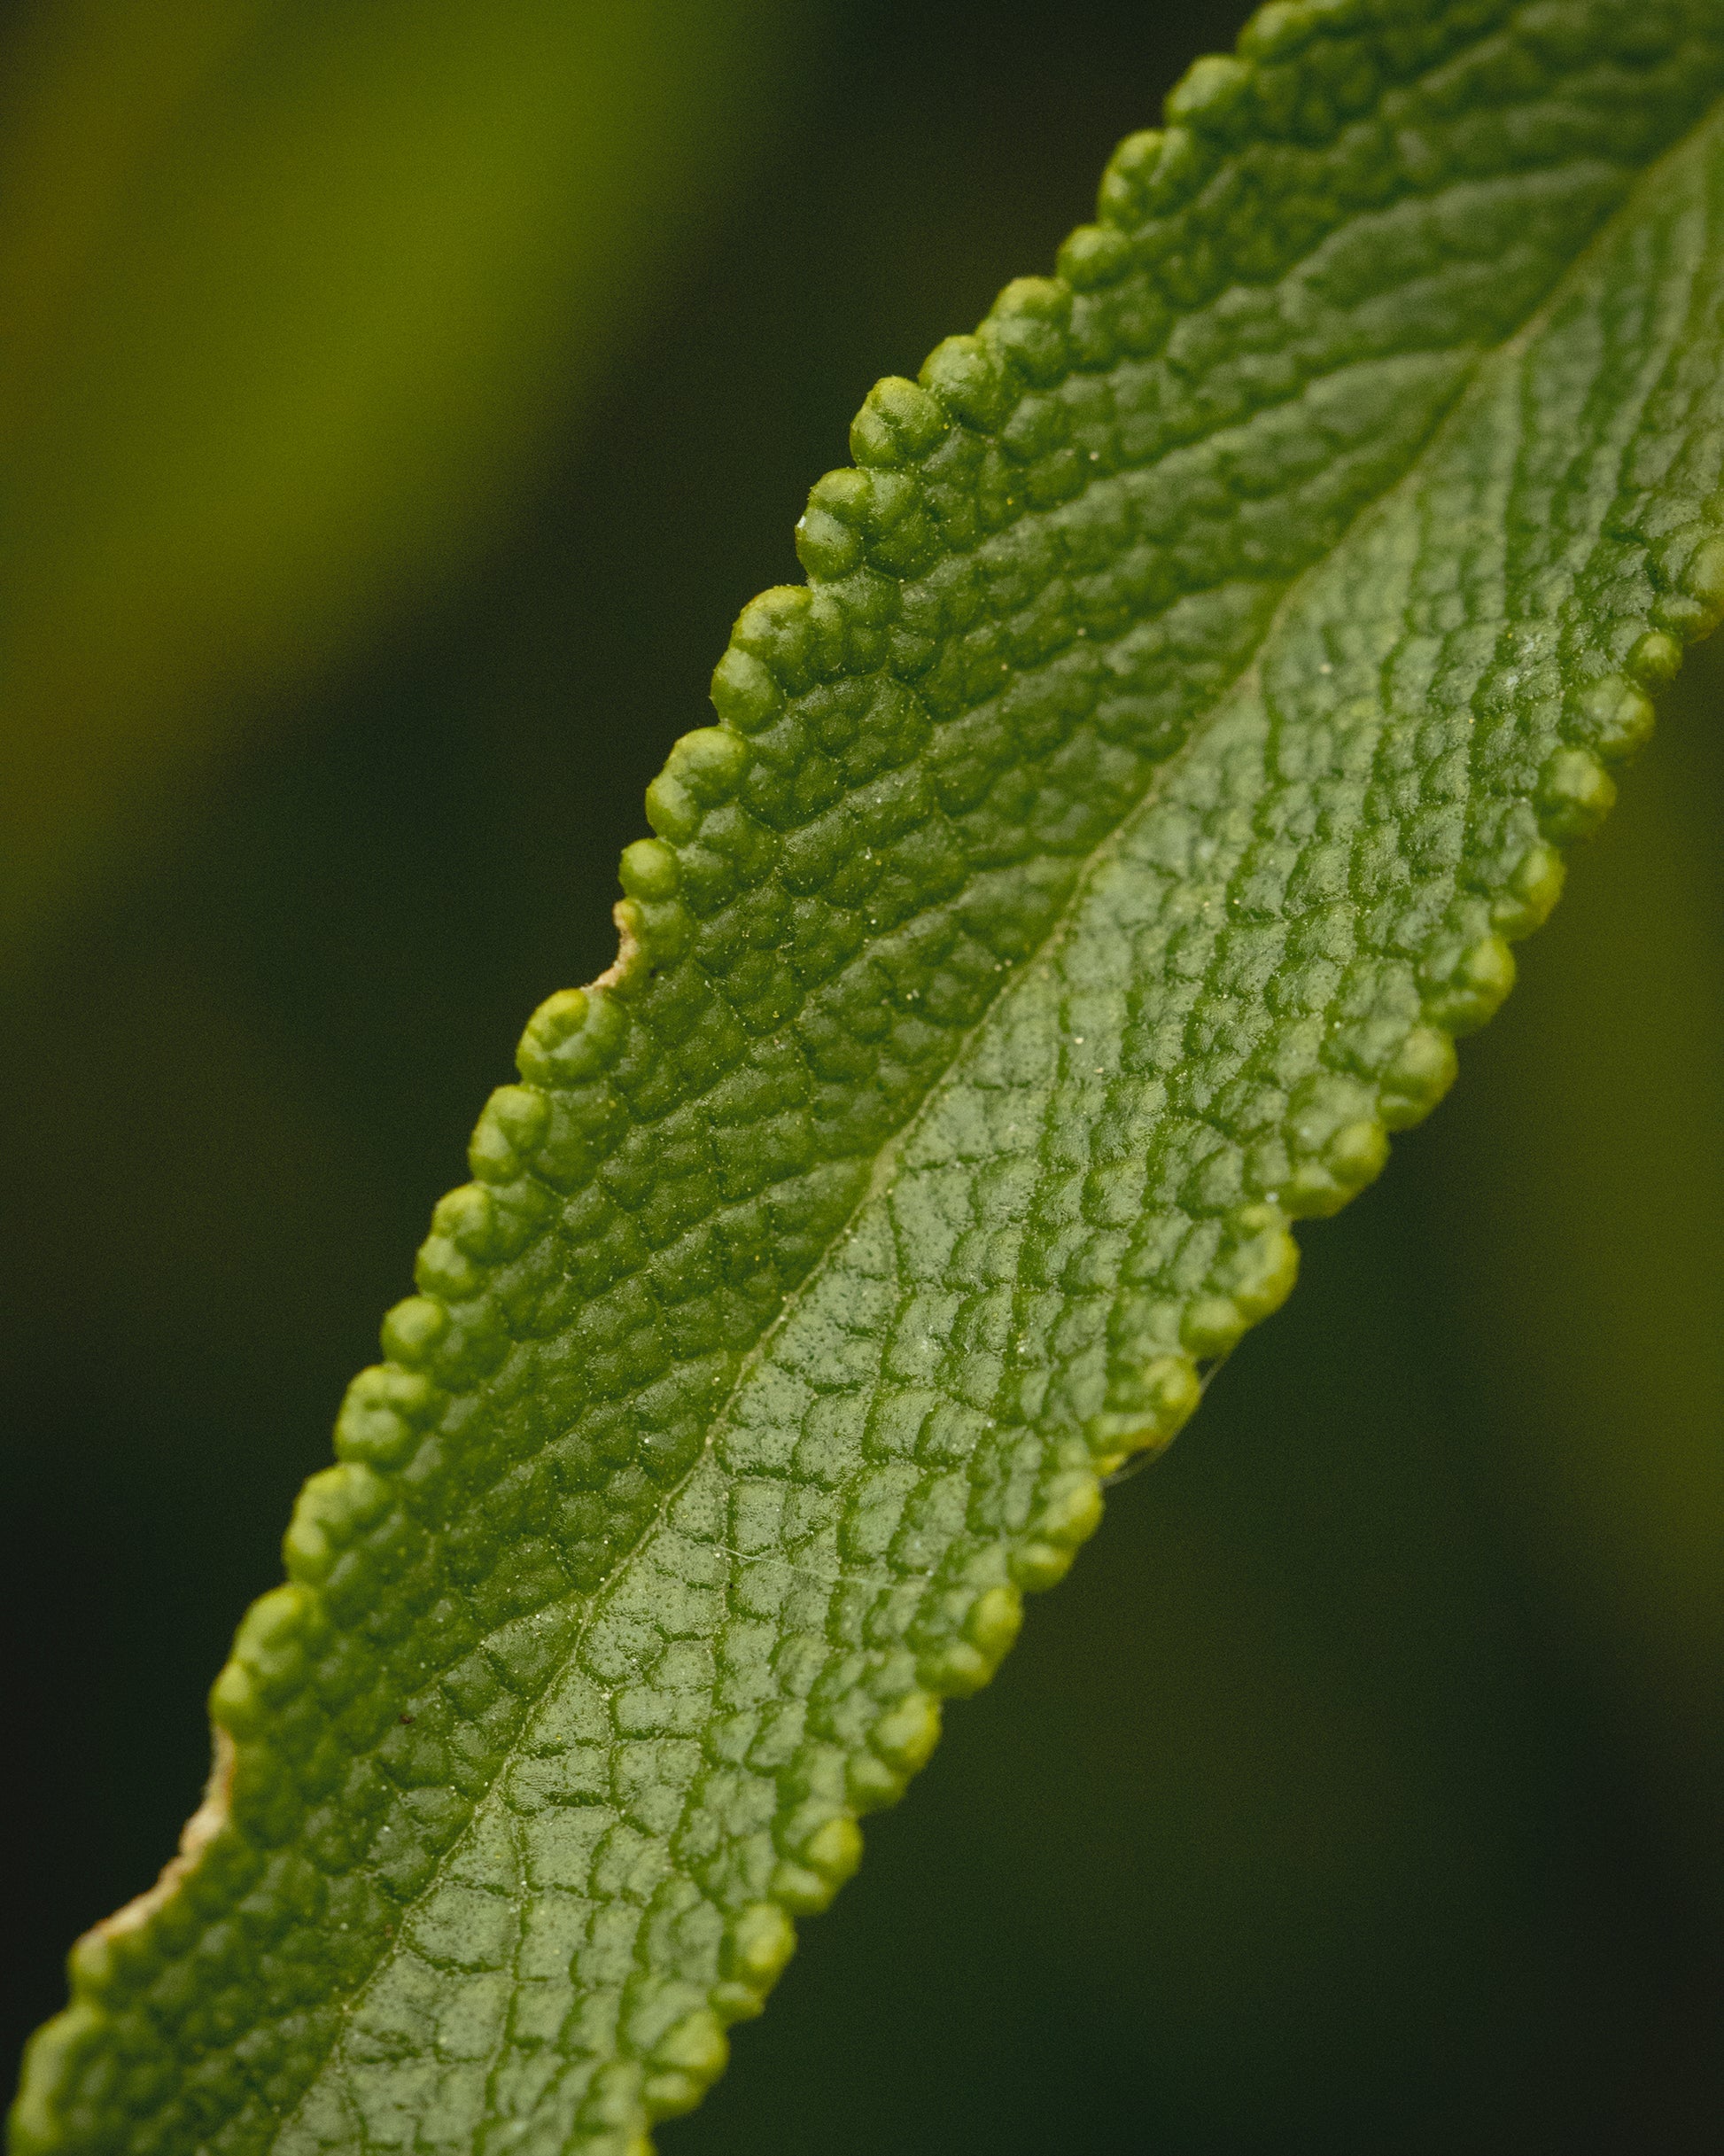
point(906, 1424)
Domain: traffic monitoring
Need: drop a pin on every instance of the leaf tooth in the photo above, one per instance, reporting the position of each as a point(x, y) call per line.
point(1123, 199)
point(673, 811)
point(1214, 95)
point(443, 1269)
point(758, 1941)
point(1464, 981)
point(1148, 1404)
point(1336, 1145)
point(605, 2124)
point(685, 2063)
point(1185, 160)
point(235, 1702)
point(384, 1414)
point(1070, 1511)
point(649, 870)
point(818, 1858)
point(776, 629)
point(422, 1333)
point(1417, 1078)
point(413, 1330)
point(508, 1132)
point(1689, 564)
point(964, 1663)
point(1094, 257)
point(1037, 1564)
point(854, 517)
point(1532, 890)
point(870, 1784)
point(1575, 794)
point(335, 1506)
point(1655, 659)
point(273, 1643)
point(995, 1620)
point(1613, 715)
point(1028, 330)
point(968, 378)
point(1212, 1325)
point(745, 692)
point(1702, 580)
point(1354, 1156)
point(654, 927)
point(572, 1036)
point(829, 536)
point(480, 1228)
point(905, 1735)
point(1280, 29)
point(710, 764)
point(899, 423)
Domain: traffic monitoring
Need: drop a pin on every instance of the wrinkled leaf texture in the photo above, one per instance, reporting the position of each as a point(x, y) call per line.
point(1196, 684)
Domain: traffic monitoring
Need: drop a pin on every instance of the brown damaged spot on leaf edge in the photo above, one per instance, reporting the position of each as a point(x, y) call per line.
point(201, 1829)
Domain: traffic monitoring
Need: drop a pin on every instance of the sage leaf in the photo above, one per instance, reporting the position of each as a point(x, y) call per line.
point(1199, 678)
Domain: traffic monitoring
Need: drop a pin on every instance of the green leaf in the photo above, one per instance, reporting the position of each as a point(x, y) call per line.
point(1196, 685)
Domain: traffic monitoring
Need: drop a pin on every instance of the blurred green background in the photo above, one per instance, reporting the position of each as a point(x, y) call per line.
point(397, 403)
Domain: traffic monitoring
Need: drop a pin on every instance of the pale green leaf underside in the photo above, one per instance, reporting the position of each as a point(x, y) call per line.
point(1194, 690)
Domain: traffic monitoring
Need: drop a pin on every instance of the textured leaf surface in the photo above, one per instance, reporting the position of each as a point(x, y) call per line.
point(1195, 687)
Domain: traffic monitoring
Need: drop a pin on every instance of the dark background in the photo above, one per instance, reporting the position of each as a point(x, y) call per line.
point(1363, 1788)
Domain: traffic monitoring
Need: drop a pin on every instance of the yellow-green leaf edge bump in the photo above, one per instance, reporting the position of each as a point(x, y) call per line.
point(1196, 683)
